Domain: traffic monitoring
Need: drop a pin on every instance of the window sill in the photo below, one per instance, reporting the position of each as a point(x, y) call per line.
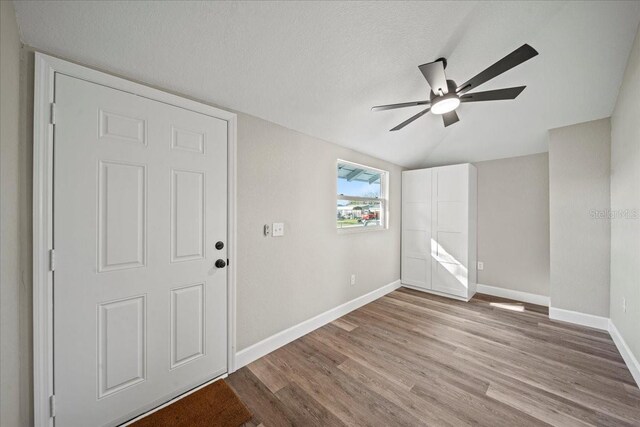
point(356, 230)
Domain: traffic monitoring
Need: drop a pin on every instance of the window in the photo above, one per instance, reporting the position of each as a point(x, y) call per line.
point(362, 197)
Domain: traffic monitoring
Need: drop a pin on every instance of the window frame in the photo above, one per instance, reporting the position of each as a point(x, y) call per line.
point(383, 199)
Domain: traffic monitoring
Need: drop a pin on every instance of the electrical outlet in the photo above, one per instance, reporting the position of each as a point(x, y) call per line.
point(353, 279)
point(480, 265)
point(624, 305)
point(277, 229)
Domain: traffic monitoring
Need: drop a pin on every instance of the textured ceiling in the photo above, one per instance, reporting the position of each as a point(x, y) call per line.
point(318, 67)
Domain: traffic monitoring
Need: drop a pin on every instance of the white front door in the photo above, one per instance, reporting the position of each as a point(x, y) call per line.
point(140, 201)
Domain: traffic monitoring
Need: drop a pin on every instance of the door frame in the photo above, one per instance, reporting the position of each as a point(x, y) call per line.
point(43, 118)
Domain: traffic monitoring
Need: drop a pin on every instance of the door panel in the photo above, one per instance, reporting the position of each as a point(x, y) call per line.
point(451, 215)
point(450, 279)
point(121, 351)
point(452, 183)
point(449, 249)
point(452, 247)
point(187, 324)
point(187, 215)
point(140, 198)
point(416, 228)
point(121, 216)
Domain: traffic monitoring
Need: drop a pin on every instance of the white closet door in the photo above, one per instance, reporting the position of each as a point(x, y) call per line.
point(416, 228)
point(449, 247)
point(140, 309)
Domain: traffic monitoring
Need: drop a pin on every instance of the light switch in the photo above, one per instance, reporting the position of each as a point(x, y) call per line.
point(480, 265)
point(277, 229)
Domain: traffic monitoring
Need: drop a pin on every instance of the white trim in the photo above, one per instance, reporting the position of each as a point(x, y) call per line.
point(232, 239)
point(625, 352)
point(266, 346)
point(512, 294)
point(583, 319)
point(45, 69)
point(364, 229)
point(42, 242)
point(434, 292)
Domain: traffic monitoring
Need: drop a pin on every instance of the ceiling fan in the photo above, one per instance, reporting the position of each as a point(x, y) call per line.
point(446, 96)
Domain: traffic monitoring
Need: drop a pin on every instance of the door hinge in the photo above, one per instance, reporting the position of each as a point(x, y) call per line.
point(52, 405)
point(52, 114)
point(52, 260)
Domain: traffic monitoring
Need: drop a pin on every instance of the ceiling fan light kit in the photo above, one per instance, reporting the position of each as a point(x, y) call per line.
point(446, 96)
point(445, 104)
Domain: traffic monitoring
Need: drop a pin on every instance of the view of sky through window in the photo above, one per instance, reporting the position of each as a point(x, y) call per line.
point(358, 188)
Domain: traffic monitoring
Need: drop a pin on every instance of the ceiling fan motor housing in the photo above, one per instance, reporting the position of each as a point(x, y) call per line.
point(451, 87)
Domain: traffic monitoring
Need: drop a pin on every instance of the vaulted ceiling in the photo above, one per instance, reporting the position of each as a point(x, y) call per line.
point(318, 67)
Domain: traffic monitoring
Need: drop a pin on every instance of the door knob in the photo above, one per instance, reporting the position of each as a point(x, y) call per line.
point(220, 263)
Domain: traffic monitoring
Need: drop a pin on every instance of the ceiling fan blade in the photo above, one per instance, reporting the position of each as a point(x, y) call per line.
point(402, 105)
point(434, 73)
point(517, 57)
point(450, 118)
point(410, 119)
point(493, 95)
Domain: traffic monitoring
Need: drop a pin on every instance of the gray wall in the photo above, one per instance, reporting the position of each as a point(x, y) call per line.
point(513, 223)
point(285, 176)
point(579, 168)
point(625, 194)
point(15, 235)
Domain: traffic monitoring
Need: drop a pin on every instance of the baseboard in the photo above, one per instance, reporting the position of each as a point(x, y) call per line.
point(625, 352)
point(583, 319)
point(431, 291)
point(514, 295)
point(266, 346)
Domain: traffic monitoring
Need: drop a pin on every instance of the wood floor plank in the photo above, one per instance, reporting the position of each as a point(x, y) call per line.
point(370, 356)
point(480, 410)
point(264, 405)
point(345, 324)
point(401, 396)
point(411, 358)
point(302, 409)
point(544, 412)
point(549, 407)
point(354, 394)
point(268, 374)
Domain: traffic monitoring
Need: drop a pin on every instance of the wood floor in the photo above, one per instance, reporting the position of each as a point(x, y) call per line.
point(413, 359)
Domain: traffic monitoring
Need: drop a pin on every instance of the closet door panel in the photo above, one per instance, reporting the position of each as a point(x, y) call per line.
point(449, 225)
point(416, 228)
point(452, 183)
point(416, 216)
point(452, 248)
point(416, 272)
point(450, 279)
point(417, 243)
point(451, 216)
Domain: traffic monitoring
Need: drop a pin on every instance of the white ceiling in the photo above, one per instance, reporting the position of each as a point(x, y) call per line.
point(318, 67)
